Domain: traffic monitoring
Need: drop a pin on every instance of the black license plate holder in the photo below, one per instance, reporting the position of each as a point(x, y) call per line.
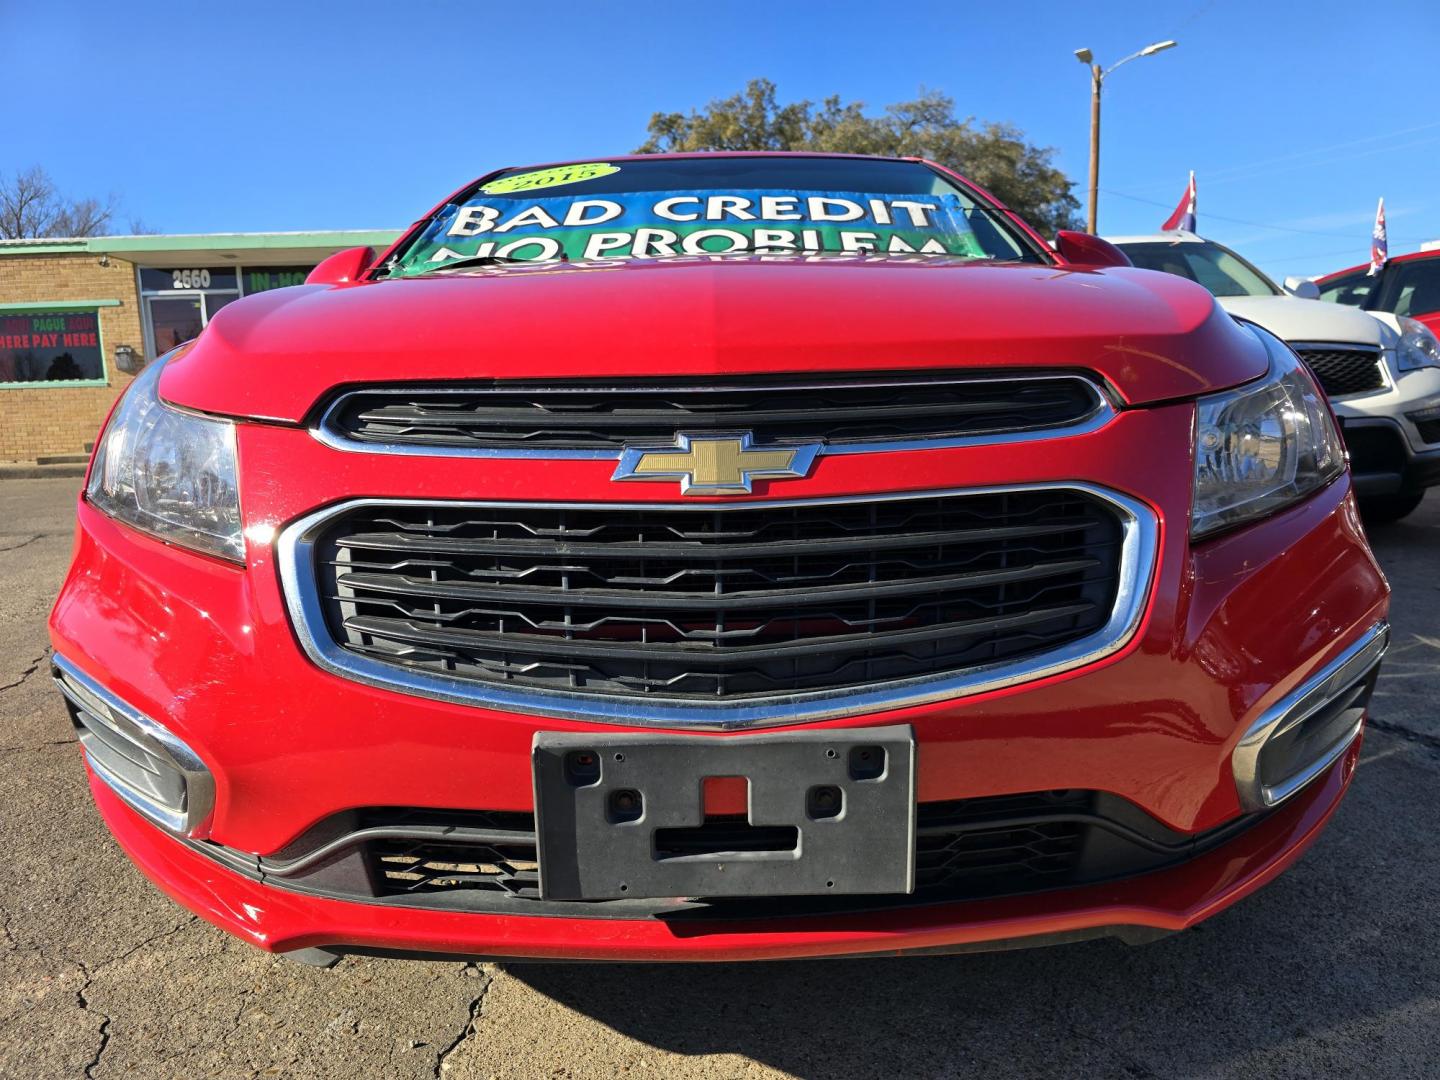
point(845, 798)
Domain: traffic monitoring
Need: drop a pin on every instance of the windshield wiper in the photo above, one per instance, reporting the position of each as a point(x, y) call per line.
point(478, 260)
point(509, 260)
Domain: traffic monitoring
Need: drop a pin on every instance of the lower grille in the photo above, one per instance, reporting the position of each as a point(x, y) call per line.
point(961, 848)
point(406, 867)
point(1344, 371)
point(714, 604)
point(962, 851)
point(966, 849)
point(1375, 448)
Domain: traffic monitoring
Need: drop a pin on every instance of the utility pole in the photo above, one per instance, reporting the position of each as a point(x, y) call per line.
point(1098, 76)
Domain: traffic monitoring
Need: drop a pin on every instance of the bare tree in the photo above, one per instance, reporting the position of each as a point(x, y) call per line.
point(30, 206)
point(27, 204)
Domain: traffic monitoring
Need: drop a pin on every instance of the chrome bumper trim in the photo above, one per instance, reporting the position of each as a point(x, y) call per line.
point(1334, 679)
point(120, 720)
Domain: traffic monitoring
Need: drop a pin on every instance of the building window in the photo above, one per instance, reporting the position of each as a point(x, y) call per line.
point(179, 303)
point(58, 345)
point(265, 278)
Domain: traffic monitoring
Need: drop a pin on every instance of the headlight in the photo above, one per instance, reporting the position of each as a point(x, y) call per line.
point(169, 473)
point(1418, 345)
point(1262, 447)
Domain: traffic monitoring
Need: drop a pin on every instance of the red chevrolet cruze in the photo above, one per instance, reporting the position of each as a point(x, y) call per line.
point(720, 557)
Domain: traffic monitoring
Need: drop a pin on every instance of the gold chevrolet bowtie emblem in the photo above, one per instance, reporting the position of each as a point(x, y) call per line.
point(717, 464)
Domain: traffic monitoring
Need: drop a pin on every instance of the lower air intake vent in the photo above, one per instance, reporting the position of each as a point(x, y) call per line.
point(967, 848)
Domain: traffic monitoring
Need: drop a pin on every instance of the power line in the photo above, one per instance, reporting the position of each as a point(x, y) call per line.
point(1230, 172)
point(1253, 224)
point(1315, 163)
point(1350, 251)
point(1242, 167)
point(1203, 9)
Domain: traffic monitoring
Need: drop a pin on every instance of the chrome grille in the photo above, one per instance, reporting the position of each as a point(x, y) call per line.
point(579, 417)
point(1344, 370)
point(766, 604)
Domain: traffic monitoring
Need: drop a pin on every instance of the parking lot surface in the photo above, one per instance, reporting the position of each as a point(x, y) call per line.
point(1333, 970)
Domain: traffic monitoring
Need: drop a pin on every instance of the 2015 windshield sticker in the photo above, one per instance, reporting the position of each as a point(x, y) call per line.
point(548, 178)
point(656, 223)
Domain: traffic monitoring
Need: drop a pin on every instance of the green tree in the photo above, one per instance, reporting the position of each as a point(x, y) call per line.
point(996, 156)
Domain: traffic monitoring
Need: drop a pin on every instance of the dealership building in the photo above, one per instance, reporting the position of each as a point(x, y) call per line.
point(79, 316)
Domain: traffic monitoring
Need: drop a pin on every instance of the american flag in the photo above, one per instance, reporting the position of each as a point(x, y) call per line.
point(1379, 247)
point(1184, 215)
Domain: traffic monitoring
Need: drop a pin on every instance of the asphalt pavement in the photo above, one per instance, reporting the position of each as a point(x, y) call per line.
point(1333, 970)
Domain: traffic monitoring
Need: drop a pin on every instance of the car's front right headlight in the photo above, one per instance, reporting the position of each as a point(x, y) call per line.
point(1262, 447)
point(168, 472)
point(1418, 347)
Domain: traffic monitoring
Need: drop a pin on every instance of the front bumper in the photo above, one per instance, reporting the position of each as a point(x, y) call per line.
point(1158, 903)
point(208, 649)
point(1135, 910)
point(1390, 453)
point(1382, 462)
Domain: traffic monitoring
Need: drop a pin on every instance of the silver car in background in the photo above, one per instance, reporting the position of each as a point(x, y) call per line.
point(1377, 383)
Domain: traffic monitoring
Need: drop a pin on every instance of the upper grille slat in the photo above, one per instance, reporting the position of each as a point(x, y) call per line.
point(901, 406)
point(404, 586)
point(411, 543)
point(724, 602)
point(498, 420)
point(409, 632)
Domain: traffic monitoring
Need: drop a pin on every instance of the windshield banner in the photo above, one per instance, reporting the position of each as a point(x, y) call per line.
point(653, 223)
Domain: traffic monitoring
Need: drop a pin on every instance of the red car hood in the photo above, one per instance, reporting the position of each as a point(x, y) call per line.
point(274, 355)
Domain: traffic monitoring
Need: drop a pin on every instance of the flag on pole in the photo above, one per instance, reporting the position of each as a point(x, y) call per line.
point(1379, 246)
point(1184, 215)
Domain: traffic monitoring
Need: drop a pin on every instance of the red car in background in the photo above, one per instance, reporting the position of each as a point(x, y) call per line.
point(1406, 286)
point(714, 557)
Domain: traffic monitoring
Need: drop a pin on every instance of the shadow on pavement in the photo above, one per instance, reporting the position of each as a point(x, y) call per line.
point(1301, 969)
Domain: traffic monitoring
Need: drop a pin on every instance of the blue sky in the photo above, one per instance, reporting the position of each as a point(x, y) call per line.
point(253, 116)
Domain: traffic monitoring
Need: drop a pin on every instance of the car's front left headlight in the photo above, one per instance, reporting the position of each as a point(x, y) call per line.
point(1262, 447)
point(169, 473)
point(1418, 348)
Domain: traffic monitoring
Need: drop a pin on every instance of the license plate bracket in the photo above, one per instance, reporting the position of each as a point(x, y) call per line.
point(623, 816)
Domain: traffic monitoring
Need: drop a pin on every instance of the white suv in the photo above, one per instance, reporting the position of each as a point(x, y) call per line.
point(1352, 352)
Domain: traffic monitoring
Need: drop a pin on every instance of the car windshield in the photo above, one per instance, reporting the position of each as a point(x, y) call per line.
point(1219, 269)
point(713, 205)
point(1353, 289)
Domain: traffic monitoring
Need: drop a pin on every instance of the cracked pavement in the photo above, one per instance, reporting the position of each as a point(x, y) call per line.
point(1332, 970)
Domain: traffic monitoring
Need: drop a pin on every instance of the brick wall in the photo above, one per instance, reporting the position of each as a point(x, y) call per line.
point(62, 419)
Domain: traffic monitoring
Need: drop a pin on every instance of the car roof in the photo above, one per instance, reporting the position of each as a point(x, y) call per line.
point(1407, 257)
point(682, 155)
point(1173, 236)
point(690, 154)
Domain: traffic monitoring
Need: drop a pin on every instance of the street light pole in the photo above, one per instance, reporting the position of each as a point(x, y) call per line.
point(1097, 83)
point(1096, 78)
